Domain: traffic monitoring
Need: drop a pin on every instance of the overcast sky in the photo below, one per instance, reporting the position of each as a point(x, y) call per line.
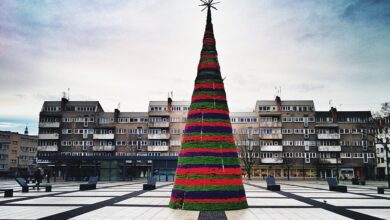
point(134, 51)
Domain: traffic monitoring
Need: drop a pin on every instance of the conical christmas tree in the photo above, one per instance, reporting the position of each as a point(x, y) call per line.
point(208, 174)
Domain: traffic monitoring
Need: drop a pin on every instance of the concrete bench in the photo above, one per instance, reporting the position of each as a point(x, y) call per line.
point(25, 187)
point(334, 186)
point(271, 185)
point(151, 184)
point(357, 181)
point(8, 192)
point(381, 189)
point(92, 181)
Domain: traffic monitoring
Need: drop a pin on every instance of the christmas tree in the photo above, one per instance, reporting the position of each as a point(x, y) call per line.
point(208, 174)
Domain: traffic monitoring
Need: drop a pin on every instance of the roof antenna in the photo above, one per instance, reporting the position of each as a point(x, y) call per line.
point(278, 91)
point(68, 93)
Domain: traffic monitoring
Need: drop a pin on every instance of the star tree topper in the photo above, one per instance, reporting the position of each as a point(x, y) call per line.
point(208, 4)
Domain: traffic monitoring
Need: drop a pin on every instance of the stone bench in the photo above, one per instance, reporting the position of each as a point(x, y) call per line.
point(381, 189)
point(8, 192)
point(271, 184)
point(151, 184)
point(334, 186)
point(25, 187)
point(92, 181)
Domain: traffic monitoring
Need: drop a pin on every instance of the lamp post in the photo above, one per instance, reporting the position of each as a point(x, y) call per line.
point(337, 165)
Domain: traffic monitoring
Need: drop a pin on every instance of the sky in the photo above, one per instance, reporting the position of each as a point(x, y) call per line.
point(336, 53)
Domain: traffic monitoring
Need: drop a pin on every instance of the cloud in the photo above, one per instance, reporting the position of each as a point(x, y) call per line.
point(369, 11)
point(8, 125)
point(135, 51)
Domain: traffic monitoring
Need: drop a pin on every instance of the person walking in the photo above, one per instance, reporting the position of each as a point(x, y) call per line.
point(38, 177)
point(48, 175)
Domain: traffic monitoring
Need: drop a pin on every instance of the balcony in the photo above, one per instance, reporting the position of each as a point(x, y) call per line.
point(272, 124)
point(158, 148)
point(49, 124)
point(270, 136)
point(48, 136)
point(104, 148)
point(272, 148)
point(103, 136)
point(158, 136)
point(329, 148)
point(272, 160)
point(328, 136)
point(329, 161)
point(326, 124)
point(159, 124)
point(47, 148)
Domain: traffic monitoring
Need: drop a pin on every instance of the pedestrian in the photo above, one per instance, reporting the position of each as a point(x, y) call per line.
point(38, 177)
point(48, 175)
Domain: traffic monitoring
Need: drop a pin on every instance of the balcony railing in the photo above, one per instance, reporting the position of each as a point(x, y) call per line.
point(158, 148)
point(270, 136)
point(273, 124)
point(329, 160)
point(47, 148)
point(48, 136)
point(159, 124)
point(49, 124)
point(271, 160)
point(158, 136)
point(103, 136)
point(329, 148)
point(104, 148)
point(328, 136)
point(272, 148)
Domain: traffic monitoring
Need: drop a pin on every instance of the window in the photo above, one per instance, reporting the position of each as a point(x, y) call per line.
point(66, 131)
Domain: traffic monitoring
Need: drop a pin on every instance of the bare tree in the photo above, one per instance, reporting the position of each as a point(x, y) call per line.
point(248, 149)
point(383, 112)
point(288, 162)
point(289, 159)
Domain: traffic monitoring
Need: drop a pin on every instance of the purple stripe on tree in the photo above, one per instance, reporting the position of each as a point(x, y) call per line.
point(206, 165)
point(208, 115)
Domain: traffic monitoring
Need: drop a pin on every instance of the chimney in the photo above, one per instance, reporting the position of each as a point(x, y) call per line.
point(63, 103)
point(169, 104)
point(278, 102)
point(333, 111)
point(116, 115)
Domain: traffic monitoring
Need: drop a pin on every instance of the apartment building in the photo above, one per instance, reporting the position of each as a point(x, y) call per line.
point(382, 135)
point(345, 141)
point(17, 152)
point(289, 139)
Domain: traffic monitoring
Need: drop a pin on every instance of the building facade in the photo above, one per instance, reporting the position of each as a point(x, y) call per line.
point(289, 139)
point(382, 134)
point(17, 152)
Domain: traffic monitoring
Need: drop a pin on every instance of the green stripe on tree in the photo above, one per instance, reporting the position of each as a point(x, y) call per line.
point(201, 105)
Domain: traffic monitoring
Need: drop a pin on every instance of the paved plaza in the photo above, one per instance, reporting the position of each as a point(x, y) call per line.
point(127, 200)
